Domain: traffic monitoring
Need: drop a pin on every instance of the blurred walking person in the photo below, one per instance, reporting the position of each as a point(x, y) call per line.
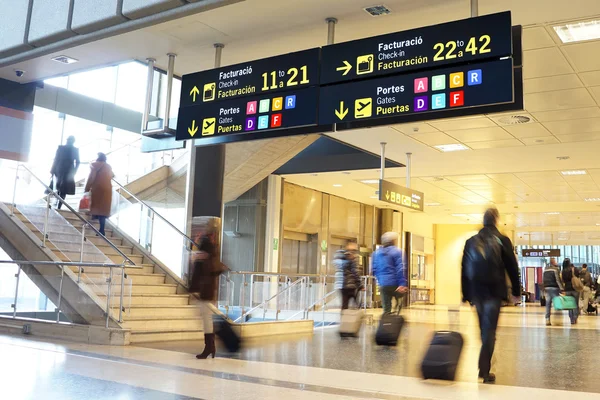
point(100, 188)
point(568, 274)
point(347, 279)
point(488, 257)
point(390, 271)
point(65, 166)
point(553, 286)
point(586, 295)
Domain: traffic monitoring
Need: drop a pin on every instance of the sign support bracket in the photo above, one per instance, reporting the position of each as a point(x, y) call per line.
point(382, 171)
point(474, 8)
point(331, 22)
point(408, 169)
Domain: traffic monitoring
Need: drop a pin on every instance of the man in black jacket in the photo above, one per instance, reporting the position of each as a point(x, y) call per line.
point(487, 258)
point(65, 166)
point(552, 286)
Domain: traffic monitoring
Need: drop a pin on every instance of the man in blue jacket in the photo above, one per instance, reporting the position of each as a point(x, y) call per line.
point(389, 269)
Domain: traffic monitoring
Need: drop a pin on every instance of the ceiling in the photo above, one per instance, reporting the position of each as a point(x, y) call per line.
point(514, 166)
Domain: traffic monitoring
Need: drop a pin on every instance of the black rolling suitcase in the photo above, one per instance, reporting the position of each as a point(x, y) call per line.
point(543, 301)
point(225, 332)
point(389, 329)
point(443, 355)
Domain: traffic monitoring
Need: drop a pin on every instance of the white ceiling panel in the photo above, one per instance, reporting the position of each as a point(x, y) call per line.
point(414, 128)
point(537, 141)
point(527, 130)
point(480, 135)
point(536, 38)
point(550, 83)
point(495, 144)
point(463, 123)
point(581, 137)
point(596, 93)
point(545, 62)
point(434, 138)
point(561, 99)
point(574, 126)
point(591, 78)
point(563, 115)
point(584, 56)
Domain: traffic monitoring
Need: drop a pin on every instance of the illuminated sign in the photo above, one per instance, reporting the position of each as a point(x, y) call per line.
point(248, 115)
point(462, 41)
point(451, 88)
point(400, 196)
point(540, 252)
point(264, 76)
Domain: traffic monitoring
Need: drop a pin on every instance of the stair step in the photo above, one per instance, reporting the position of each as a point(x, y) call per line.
point(168, 324)
point(165, 336)
point(137, 270)
point(140, 289)
point(116, 259)
point(162, 312)
point(147, 279)
point(157, 300)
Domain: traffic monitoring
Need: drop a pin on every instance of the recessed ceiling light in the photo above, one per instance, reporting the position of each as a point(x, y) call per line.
point(432, 204)
point(65, 59)
point(337, 185)
point(574, 172)
point(370, 181)
point(579, 31)
point(451, 147)
point(460, 215)
point(562, 158)
point(377, 11)
point(552, 213)
point(593, 199)
point(375, 197)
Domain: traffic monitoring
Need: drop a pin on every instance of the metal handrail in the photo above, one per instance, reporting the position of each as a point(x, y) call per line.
point(275, 274)
point(65, 263)
point(270, 298)
point(307, 309)
point(190, 240)
point(77, 214)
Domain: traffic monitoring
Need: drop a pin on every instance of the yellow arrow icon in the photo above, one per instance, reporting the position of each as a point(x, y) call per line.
point(194, 92)
point(342, 112)
point(192, 131)
point(346, 68)
point(387, 195)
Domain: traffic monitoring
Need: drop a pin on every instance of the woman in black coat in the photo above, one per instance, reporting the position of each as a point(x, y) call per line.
point(569, 271)
point(64, 168)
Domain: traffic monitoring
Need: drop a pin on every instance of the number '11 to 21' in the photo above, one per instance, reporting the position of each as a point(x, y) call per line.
point(292, 78)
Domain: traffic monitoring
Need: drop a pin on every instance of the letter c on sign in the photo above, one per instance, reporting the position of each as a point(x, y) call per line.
point(456, 80)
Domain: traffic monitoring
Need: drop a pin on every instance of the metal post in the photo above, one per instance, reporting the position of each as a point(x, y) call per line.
point(218, 53)
point(243, 294)
point(474, 8)
point(45, 233)
point(14, 306)
point(331, 30)
point(62, 276)
point(108, 293)
point(81, 253)
point(149, 86)
point(408, 169)
point(14, 200)
point(251, 291)
point(122, 292)
point(382, 171)
point(170, 71)
point(151, 230)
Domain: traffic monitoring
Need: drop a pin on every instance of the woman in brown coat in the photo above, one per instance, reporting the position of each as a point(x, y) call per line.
point(100, 187)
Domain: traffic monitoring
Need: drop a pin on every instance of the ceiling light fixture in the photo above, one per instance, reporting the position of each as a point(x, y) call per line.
point(574, 172)
point(370, 181)
point(552, 213)
point(592, 199)
point(377, 11)
point(579, 31)
point(432, 204)
point(460, 215)
point(337, 185)
point(446, 148)
point(562, 158)
point(375, 197)
point(65, 59)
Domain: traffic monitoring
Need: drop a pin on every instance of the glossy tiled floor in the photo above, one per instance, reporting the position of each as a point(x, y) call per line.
point(532, 361)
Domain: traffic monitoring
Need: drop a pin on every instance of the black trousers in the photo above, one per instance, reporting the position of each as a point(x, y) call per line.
point(348, 294)
point(63, 196)
point(488, 311)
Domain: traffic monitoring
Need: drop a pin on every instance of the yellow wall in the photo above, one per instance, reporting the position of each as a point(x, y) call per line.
point(449, 244)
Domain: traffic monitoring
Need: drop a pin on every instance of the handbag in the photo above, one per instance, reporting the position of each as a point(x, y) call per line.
point(85, 202)
point(564, 303)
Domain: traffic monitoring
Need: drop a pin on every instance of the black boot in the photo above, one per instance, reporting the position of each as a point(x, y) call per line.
point(209, 346)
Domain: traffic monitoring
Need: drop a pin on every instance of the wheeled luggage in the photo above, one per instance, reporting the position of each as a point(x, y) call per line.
point(443, 355)
point(592, 309)
point(543, 301)
point(224, 330)
point(564, 303)
point(351, 322)
point(389, 329)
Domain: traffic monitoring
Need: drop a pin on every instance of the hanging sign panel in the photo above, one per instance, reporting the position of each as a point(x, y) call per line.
point(264, 76)
point(249, 115)
point(400, 196)
point(467, 40)
point(423, 93)
point(540, 252)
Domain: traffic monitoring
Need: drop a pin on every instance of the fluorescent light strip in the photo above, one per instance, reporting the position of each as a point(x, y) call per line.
point(552, 213)
point(432, 204)
point(593, 199)
point(446, 148)
point(579, 31)
point(337, 185)
point(370, 181)
point(574, 172)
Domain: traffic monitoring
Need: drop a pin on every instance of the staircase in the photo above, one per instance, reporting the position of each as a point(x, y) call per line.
point(154, 308)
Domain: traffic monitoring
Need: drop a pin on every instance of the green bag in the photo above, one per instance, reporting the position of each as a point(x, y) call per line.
point(564, 303)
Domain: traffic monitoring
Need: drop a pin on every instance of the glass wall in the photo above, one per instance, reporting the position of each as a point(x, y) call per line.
point(578, 254)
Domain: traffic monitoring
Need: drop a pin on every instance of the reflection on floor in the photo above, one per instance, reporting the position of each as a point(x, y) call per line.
point(531, 361)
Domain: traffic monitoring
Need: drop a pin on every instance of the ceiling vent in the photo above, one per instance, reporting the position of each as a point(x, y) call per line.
point(514, 119)
point(437, 178)
point(378, 11)
point(65, 60)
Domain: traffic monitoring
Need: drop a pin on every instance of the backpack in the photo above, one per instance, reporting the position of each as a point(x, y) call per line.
point(484, 259)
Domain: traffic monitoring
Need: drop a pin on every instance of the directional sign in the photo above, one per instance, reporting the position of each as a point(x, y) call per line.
point(540, 252)
point(268, 75)
point(249, 115)
point(400, 196)
point(424, 93)
point(467, 40)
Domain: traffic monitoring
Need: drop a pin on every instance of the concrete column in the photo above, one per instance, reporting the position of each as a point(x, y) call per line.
point(273, 224)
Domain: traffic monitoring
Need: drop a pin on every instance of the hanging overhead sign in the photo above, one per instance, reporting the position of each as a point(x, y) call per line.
point(462, 41)
point(264, 76)
point(452, 88)
point(540, 252)
point(400, 196)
